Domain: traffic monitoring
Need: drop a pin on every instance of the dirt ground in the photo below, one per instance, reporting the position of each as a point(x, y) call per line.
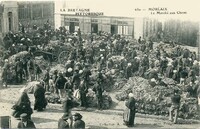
point(93, 118)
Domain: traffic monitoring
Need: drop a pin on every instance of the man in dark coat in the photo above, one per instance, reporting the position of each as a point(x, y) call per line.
point(83, 91)
point(76, 79)
point(25, 123)
point(86, 75)
point(78, 122)
point(19, 70)
point(4, 75)
point(128, 71)
point(183, 75)
point(40, 101)
point(163, 64)
point(169, 71)
point(63, 123)
point(55, 76)
point(174, 107)
point(140, 39)
point(60, 84)
point(99, 90)
point(136, 64)
point(129, 112)
point(46, 80)
point(68, 105)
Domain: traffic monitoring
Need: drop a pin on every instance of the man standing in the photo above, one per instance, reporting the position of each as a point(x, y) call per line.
point(63, 123)
point(99, 90)
point(25, 123)
point(129, 112)
point(60, 83)
point(54, 78)
point(128, 71)
point(174, 107)
point(76, 79)
point(140, 40)
point(83, 91)
point(46, 80)
point(19, 70)
point(31, 68)
point(78, 122)
point(5, 73)
point(86, 75)
point(68, 105)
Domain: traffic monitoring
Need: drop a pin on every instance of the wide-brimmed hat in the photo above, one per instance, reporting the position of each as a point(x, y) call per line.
point(23, 115)
point(78, 115)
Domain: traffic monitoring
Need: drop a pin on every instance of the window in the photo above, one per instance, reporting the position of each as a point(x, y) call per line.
point(125, 30)
point(24, 12)
point(120, 29)
point(47, 10)
point(37, 11)
point(10, 21)
point(67, 28)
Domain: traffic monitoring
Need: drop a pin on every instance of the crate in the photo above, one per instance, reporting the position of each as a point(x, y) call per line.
point(5, 122)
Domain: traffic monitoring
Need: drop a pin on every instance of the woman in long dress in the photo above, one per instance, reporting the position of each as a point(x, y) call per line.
point(40, 101)
point(23, 105)
point(129, 112)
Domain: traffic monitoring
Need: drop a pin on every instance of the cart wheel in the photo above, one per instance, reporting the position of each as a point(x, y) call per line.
point(63, 57)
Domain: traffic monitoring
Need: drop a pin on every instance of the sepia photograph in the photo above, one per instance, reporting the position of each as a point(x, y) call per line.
point(99, 64)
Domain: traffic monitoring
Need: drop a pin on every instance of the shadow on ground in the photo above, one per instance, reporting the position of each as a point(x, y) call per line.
point(182, 121)
point(53, 110)
point(149, 126)
point(38, 120)
point(96, 127)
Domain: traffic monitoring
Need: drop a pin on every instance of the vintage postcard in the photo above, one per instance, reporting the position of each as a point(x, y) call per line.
point(100, 64)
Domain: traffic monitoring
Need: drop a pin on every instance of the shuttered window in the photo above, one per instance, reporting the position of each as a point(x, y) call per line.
point(24, 12)
point(37, 11)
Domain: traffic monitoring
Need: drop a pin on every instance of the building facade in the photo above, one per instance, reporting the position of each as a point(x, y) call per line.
point(36, 13)
point(14, 13)
point(90, 24)
point(8, 17)
point(67, 14)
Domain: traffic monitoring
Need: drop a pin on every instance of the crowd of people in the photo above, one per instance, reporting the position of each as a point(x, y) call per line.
point(95, 51)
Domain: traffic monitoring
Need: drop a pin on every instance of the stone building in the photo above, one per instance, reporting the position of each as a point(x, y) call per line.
point(92, 24)
point(73, 15)
point(27, 13)
point(8, 17)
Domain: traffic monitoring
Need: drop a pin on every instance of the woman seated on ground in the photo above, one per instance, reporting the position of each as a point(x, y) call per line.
point(23, 105)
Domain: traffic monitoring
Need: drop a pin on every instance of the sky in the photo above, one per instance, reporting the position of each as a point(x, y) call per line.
point(127, 8)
